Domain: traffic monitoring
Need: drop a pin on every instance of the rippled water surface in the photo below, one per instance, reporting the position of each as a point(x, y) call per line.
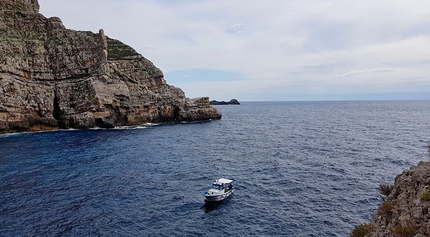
point(302, 169)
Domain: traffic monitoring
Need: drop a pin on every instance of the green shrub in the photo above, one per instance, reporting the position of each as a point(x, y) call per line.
point(385, 189)
point(405, 231)
point(386, 209)
point(425, 196)
point(362, 230)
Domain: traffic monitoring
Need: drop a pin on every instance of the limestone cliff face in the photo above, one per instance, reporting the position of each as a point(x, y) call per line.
point(406, 212)
point(52, 77)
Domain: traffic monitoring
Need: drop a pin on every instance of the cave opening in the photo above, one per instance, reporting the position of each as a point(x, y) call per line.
point(56, 108)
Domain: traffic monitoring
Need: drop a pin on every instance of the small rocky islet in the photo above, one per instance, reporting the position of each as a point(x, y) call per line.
point(231, 102)
point(52, 77)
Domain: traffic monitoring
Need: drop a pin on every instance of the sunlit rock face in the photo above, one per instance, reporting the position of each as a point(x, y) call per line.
point(52, 77)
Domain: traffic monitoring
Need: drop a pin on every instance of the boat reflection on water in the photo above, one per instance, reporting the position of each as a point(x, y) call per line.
point(213, 206)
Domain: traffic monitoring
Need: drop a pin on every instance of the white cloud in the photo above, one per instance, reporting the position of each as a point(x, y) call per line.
point(282, 50)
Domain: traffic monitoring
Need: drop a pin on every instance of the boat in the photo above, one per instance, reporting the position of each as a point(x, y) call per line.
point(220, 190)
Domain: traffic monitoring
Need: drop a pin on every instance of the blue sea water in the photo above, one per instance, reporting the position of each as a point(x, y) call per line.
point(301, 169)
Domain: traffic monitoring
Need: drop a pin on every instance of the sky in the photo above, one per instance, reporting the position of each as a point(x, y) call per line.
point(271, 50)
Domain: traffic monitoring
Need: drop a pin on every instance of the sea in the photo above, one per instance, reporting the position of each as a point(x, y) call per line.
point(300, 168)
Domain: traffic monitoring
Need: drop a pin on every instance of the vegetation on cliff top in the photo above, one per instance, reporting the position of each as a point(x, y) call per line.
point(120, 51)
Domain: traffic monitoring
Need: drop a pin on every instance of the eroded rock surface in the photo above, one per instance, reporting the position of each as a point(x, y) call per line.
point(52, 77)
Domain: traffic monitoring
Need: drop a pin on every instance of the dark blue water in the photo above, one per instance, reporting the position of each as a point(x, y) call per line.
point(302, 169)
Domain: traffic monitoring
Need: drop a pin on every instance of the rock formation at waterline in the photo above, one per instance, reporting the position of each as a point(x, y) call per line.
point(52, 77)
point(406, 209)
point(231, 102)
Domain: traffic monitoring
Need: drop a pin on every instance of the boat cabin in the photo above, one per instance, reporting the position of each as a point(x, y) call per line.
point(223, 184)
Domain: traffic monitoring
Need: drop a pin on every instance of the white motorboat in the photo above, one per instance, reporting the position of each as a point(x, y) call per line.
point(220, 190)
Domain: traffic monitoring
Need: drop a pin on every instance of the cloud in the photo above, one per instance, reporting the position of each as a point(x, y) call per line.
point(280, 50)
point(201, 75)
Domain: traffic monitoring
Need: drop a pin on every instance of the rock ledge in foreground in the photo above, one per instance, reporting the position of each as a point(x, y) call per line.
point(406, 210)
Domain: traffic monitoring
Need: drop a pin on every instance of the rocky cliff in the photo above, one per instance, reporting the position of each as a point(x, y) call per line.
point(406, 209)
point(52, 77)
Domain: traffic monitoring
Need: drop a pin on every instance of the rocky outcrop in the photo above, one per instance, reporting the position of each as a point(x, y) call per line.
point(406, 210)
point(231, 102)
point(52, 77)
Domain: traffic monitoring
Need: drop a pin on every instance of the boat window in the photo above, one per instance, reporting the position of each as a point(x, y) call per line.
point(216, 186)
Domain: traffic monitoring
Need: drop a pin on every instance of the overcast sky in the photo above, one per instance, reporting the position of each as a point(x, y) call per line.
point(273, 50)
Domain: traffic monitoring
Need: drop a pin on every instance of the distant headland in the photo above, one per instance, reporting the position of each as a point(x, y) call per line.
point(52, 77)
point(231, 102)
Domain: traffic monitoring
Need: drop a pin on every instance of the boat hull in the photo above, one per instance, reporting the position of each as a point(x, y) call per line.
point(218, 197)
